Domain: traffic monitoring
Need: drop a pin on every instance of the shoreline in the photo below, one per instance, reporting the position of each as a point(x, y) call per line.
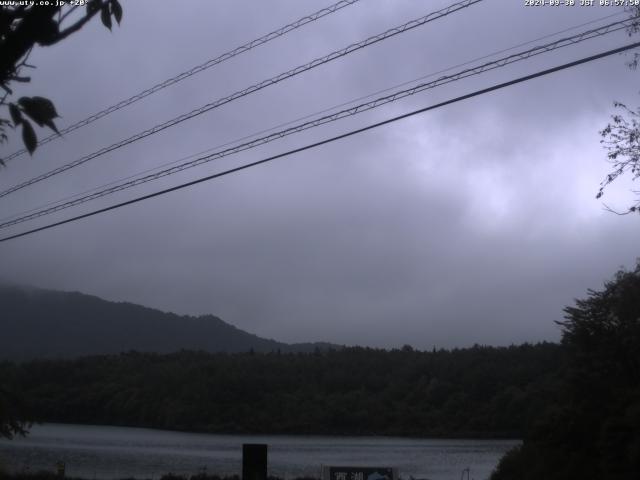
point(471, 436)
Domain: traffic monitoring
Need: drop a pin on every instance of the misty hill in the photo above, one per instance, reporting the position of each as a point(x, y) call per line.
point(38, 323)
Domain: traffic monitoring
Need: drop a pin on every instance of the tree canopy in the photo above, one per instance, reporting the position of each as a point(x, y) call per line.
point(12, 415)
point(592, 430)
point(474, 392)
point(621, 137)
point(22, 27)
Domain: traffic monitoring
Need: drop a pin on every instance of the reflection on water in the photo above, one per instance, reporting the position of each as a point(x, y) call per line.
point(115, 452)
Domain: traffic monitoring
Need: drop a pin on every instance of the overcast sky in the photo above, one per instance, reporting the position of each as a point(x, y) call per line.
point(473, 223)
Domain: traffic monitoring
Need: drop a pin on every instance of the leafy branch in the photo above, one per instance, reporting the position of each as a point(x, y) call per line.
point(621, 139)
point(21, 29)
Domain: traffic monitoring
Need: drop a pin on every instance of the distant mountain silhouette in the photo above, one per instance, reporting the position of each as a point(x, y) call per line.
point(36, 323)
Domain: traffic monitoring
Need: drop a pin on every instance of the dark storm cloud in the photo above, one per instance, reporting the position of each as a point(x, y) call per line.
point(474, 223)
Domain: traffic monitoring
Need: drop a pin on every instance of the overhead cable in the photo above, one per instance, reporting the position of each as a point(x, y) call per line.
point(305, 117)
point(249, 90)
point(363, 107)
point(193, 71)
point(329, 140)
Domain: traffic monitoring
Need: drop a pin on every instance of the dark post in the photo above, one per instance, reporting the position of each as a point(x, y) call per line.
point(254, 461)
point(60, 467)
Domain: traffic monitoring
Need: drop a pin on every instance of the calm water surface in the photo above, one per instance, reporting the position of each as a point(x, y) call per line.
point(114, 452)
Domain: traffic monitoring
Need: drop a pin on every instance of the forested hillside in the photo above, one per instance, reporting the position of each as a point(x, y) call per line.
point(39, 323)
point(475, 392)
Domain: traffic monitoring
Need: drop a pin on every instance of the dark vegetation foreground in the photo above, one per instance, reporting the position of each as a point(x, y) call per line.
point(592, 429)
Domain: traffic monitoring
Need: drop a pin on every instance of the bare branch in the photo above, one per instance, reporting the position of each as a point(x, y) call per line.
point(611, 210)
point(76, 26)
point(15, 78)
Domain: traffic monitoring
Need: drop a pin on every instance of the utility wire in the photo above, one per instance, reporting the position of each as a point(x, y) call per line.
point(499, 63)
point(331, 139)
point(249, 90)
point(193, 71)
point(311, 115)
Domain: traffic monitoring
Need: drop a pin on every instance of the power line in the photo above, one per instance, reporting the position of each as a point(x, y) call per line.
point(499, 63)
point(249, 90)
point(311, 115)
point(331, 139)
point(195, 70)
point(329, 118)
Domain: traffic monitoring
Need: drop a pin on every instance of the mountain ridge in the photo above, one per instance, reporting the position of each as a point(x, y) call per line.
point(39, 323)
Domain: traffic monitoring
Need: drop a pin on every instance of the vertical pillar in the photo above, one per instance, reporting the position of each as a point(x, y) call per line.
point(254, 461)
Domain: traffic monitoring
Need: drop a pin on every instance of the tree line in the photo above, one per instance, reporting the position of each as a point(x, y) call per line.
point(473, 392)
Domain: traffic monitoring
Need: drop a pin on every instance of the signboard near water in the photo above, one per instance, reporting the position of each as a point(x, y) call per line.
point(359, 473)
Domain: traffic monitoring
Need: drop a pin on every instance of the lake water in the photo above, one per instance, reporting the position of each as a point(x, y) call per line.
point(115, 452)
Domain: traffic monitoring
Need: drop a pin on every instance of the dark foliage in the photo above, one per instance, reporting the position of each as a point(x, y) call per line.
point(24, 26)
point(475, 392)
point(13, 413)
point(593, 431)
point(621, 137)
